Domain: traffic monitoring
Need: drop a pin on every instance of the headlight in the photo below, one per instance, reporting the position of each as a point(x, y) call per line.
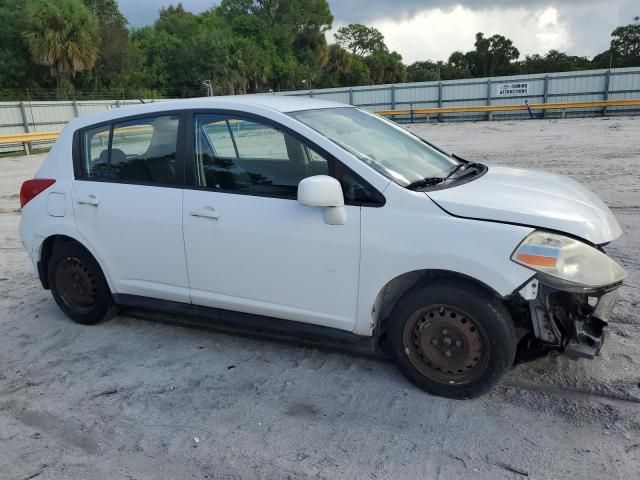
point(567, 263)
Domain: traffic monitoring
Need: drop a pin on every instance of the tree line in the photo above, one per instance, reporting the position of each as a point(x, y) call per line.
point(61, 49)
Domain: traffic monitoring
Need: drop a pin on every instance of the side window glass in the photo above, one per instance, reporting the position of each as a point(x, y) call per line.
point(255, 140)
point(220, 135)
point(319, 165)
point(142, 150)
point(96, 152)
point(145, 150)
point(355, 190)
point(236, 154)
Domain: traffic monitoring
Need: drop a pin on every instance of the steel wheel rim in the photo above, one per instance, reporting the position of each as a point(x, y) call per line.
point(446, 344)
point(76, 285)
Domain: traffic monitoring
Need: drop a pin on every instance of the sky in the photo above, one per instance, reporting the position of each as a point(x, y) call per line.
point(433, 29)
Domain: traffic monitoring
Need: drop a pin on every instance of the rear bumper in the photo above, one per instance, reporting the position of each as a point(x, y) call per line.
point(30, 240)
point(574, 323)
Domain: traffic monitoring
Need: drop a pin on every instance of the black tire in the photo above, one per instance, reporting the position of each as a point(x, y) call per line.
point(451, 338)
point(78, 285)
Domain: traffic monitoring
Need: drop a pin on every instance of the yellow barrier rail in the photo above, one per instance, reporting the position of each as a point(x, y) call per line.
point(510, 108)
point(26, 138)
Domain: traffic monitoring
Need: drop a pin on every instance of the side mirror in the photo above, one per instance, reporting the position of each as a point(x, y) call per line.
point(324, 191)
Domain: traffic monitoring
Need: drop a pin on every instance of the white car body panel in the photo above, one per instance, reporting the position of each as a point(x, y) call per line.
point(36, 226)
point(409, 234)
point(529, 197)
point(275, 257)
point(272, 256)
point(141, 228)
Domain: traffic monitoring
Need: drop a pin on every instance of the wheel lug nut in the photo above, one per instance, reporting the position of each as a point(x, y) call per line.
point(434, 342)
point(458, 343)
point(444, 332)
point(446, 342)
point(447, 353)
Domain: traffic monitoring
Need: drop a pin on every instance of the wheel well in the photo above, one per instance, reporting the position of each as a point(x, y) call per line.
point(394, 290)
point(48, 247)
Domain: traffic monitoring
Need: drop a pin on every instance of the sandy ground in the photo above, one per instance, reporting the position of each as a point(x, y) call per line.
point(128, 398)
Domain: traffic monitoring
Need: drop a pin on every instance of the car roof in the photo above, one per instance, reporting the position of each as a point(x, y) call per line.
point(278, 103)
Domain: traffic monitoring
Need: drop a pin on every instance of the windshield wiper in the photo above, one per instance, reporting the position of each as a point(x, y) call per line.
point(425, 182)
point(431, 181)
point(454, 170)
point(465, 166)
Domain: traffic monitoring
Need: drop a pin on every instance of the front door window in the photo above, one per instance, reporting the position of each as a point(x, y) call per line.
point(234, 154)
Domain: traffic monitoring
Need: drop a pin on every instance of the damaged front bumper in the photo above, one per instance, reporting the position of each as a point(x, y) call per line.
point(574, 323)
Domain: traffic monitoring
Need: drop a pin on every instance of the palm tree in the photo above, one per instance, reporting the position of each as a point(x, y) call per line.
point(63, 35)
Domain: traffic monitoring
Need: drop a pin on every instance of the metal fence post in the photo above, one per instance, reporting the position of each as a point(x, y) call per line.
point(76, 110)
point(489, 114)
point(351, 96)
point(310, 93)
point(411, 112)
point(605, 94)
point(545, 95)
point(27, 128)
point(526, 102)
point(439, 99)
point(393, 97)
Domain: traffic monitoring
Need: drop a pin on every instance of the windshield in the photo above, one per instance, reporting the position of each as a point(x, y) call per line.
point(391, 150)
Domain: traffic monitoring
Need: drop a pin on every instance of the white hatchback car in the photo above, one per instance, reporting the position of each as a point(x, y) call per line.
point(302, 216)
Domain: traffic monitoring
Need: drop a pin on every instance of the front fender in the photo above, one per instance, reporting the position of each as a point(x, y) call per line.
point(412, 234)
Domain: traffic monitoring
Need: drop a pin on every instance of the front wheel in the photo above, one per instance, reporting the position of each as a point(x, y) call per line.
point(451, 338)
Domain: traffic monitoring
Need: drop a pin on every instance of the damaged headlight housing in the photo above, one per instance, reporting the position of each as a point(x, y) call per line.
point(567, 263)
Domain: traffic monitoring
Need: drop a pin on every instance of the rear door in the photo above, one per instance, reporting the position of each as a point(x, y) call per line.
point(250, 246)
point(127, 201)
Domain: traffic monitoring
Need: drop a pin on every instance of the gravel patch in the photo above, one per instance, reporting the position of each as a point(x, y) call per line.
point(141, 399)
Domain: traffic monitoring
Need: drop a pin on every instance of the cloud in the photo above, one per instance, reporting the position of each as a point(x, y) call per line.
point(420, 29)
point(347, 11)
point(435, 34)
point(145, 12)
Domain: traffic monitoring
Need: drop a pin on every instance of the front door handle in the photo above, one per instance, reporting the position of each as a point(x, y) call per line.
point(206, 212)
point(89, 200)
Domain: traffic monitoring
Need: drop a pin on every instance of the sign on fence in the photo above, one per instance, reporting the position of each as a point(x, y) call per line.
point(507, 89)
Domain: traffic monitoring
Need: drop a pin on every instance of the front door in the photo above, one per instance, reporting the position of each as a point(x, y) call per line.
point(250, 246)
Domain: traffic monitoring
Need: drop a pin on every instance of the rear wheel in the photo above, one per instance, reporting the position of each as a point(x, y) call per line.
point(78, 285)
point(451, 338)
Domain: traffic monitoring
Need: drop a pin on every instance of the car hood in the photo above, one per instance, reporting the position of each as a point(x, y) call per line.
point(529, 197)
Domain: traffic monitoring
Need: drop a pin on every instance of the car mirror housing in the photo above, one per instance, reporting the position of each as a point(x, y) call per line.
point(324, 191)
point(320, 191)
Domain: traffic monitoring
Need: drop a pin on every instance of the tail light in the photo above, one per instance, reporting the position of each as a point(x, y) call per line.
point(31, 188)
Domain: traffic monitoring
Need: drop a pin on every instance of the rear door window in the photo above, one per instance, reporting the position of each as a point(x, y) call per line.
point(135, 151)
point(96, 152)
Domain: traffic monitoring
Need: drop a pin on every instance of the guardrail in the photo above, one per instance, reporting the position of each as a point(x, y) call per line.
point(27, 138)
point(411, 112)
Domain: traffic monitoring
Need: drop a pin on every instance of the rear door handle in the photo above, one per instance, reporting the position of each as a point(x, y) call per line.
point(206, 212)
point(89, 200)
